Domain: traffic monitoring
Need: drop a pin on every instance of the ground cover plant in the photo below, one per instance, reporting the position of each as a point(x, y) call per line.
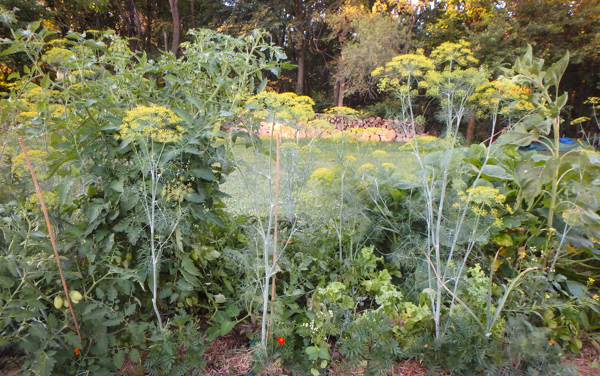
point(323, 252)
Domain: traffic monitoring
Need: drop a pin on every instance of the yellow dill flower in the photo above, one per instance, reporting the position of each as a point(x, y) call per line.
point(38, 160)
point(322, 175)
point(33, 202)
point(58, 56)
point(157, 123)
point(388, 165)
point(367, 167)
point(379, 153)
point(176, 192)
point(486, 195)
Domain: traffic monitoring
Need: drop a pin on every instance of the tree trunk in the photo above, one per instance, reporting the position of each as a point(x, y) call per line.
point(126, 20)
point(176, 26)
point(193, 14)
point(336, 93)
point(148, 31)
point(132, 28)
point(471, 126)
point(300, 17)
point(340, 101)
point(341, 78)
point(301, 49)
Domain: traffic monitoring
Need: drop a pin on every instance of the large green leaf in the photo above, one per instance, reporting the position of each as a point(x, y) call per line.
point(532, 179)
point(203, 173)
point(45, 364)
point(496, 172)
point(518, 135)
point(188, 266)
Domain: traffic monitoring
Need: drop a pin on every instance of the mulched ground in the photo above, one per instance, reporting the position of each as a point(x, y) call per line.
point(230, 356)
point(590, 353)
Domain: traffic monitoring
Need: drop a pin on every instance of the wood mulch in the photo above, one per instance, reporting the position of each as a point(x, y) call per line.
point(230, 356)
point(590, 353)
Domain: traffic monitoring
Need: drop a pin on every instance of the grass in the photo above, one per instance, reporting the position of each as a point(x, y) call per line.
point(248, 185)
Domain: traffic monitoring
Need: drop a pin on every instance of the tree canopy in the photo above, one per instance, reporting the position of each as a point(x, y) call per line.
point(335, 44)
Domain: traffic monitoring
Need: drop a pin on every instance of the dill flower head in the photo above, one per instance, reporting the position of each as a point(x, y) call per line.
point(38, 159)
point(367, 167)
point(160, 124)
point(322, 175)
point(486, 195)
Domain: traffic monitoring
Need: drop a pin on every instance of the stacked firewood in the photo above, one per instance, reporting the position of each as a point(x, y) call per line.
point(369, 129)
point(403, 128)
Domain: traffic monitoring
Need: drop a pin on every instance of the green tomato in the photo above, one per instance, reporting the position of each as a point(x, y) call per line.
point(75, 296)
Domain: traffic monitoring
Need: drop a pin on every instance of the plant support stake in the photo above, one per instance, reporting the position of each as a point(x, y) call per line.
point(62, 277)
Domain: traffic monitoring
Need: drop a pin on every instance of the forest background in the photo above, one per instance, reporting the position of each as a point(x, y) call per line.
point(336, 44)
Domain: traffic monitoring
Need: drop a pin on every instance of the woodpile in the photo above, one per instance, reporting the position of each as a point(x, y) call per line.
point(369, 129)
point(402, 128)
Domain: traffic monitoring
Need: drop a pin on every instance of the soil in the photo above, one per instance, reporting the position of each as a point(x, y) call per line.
point(230, 356)
point(590, 353)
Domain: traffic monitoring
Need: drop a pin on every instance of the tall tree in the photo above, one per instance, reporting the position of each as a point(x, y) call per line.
point(499, 31)
point(176, 26)
point(368, 38)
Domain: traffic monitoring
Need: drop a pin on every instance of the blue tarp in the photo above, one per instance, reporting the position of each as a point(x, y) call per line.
point(565, 144)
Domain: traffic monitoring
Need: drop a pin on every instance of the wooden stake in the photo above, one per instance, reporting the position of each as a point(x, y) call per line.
point(62, 277)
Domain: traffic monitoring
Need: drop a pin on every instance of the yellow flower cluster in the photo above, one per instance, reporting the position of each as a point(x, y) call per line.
point(154, 122)
point(426, 143)
point(379, 153)
point(367, 167)
point(484, 195)
point(57, 56)
point(388, 166)
point(33, 202)
point(503, 94)
point(404, 66)
point(38, 160)
point(484, 198)
point(322, 175)
point(572, 216)
point(459, 53)
point(343, 110)
point(176, 192)
point(286, 107)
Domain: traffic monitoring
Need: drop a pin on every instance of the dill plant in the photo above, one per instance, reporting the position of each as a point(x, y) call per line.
point(286, 109)
point(153, 132)
point(452, 85)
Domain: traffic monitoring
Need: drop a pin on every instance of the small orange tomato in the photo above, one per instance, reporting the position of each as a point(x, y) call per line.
point(76, 351)
point(280, 340)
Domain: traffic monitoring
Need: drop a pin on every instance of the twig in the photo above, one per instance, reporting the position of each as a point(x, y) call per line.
point(62, 277)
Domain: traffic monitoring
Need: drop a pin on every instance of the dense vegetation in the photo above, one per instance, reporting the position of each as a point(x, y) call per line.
point(473, 258)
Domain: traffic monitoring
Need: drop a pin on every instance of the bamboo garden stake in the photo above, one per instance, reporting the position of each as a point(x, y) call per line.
point(62, 277)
